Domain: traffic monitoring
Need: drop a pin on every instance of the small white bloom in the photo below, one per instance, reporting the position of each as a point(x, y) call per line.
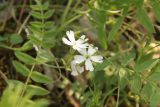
point(76, 69)
point(88, 57)
point(76, 44)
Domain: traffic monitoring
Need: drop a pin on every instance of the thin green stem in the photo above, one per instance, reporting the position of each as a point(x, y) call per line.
point(118, 96)
point(24, 23)
point(71, 20)
point(3, 76)
point(25, 85)
point(66, 11)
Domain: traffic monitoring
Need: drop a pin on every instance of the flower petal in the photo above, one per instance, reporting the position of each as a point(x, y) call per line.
point(97, 58)
point(76, 69)
point(88, 65)
point(66, 41)
point(92, 50)
point(79, 58)
point(83, 51)
point(70, 35)
point(84, 45)
point(82, 39)
point(76, 47)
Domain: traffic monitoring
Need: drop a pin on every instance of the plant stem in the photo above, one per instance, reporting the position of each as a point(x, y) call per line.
point(66, 11)
point(25, 86)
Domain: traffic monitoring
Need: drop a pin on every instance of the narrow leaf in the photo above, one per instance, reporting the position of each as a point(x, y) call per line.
point(37, 24)
point(146, 65)
point(43, 56)
point(41, 78)
point(25, 58)
point(144, 20)
point(156, 7)
point(136, 84)
point(35, 40)
point(40, 7)
point(16, 39)
point(21, 68)
point(155, 99)
point(48, 14)
point(37, 15)
point(37, 90)
point(26, 46)
point(115, 29)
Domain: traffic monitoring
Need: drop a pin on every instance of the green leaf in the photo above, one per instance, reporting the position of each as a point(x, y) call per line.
point(49, 24)
point(40, 103)
point(41, 78)
point(101, 66)
point(155, 99)
point(136, 84)
point(50, 34)
point(102, 36)
point(146, 65)
point(47, 44)
point(35, 40)
point(108, 61)
point(35, 31)
point(21, 68)
point(16, 39)
point(37, 15)
point(15, 82)
point(156, 7)
point(37, 24)
point(147, 91)
point(101, 28)
point(48, 14)
point(37, 90)
point(127, 58)
point(144, 20)
point(43, 56)
point(115, 28)
point(26, 46)
point(40, 7)
point(25, 58)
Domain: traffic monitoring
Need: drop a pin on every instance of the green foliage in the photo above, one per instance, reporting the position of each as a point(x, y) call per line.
point(37, 90)
point(21, 68)
point(145, 63)
point(38, 77)
point(144, 20)
point(156, 6)
point(11, 96)
point(125, 31)
point(25, 58)
point(36, 37)
point(16, 39)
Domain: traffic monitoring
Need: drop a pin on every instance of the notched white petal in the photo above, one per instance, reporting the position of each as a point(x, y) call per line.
point(83, 51)
point(92, 50)
point(97, 58)
point(79, 58)
point(66, 41)
point(88, 65)
point(70, 35)
point(76, 69)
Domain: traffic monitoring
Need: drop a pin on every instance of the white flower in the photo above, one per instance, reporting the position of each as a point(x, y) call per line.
point(88, 57)
point(76, 44)
point(76, 69)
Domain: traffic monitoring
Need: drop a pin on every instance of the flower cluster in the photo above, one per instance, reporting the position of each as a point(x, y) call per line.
point(87, 53)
